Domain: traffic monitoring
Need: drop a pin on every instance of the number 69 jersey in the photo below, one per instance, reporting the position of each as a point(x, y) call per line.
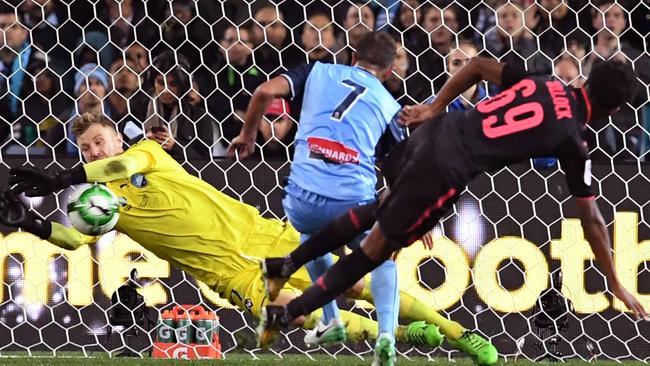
point(345, 112)
point(531, 117)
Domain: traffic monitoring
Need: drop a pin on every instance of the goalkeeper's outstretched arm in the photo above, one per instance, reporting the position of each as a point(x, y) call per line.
point(14, 213)
point(36, 182)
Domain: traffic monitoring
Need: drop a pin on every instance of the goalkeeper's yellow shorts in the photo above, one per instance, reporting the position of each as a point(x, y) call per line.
point(269, 238)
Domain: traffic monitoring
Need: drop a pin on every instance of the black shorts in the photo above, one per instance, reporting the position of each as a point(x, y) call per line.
point(419, 196)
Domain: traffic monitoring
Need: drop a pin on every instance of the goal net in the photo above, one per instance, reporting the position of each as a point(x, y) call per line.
point(498, 257)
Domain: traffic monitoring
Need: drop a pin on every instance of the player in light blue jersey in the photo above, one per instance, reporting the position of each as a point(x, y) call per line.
point(345, 112)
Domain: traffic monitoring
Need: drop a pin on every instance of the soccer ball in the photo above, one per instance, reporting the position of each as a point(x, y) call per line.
point(93, 209)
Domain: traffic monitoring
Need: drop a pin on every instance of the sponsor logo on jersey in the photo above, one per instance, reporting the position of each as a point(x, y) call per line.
point(139, 180)
point(331, 151)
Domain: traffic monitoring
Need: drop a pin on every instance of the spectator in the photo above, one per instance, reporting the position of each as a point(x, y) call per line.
point(122, 21)
point(567, 69)
point(91, 48)
point(554, 22)
point(42, 19)
point(277, 130)
point(196, 100)
point(183, 31)
point(269, 26)
point(610, 22)
point(16, 56)
point(130, 23)
point(388, 11)
point(622, 142)
point(396, 82)
point(55, 25)
point(127, 100)
point(317, 38)
point(484, 19)
point(456, 59)
point(405, 26)
point(236, 80)
point(140, 55)
point(51, 32)
point(442, 26)
point(91, 84)
point(514, 43)
point(274, 51)
point(184, 131)
point(359, 20)
point(46, 108)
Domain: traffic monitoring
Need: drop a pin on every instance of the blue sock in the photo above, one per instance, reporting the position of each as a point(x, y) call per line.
point(317, 268)
point(386, 296)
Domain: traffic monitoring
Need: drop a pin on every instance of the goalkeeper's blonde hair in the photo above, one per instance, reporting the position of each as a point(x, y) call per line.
point(83, 123)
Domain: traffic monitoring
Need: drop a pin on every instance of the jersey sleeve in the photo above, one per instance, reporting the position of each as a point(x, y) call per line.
point(140, 158)
point(511, 74)
point(69, 238)
point(393, 135)
point(297, 77)
point(576, 164)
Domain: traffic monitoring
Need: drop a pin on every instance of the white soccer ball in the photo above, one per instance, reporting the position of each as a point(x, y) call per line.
point(93, 209)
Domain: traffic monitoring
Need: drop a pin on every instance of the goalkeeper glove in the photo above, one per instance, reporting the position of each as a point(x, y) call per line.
point(14, 213)
point(37, 182)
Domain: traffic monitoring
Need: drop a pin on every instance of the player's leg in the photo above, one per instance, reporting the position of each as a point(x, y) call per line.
point(408, 212)
point(343, 275)
point(303, 212)
point(419, 313)
point(342, 230)
point(420, 332)
point(424, 329)
point(274, 238)
point(316, 268)
point(386, 295)
point(415, 203)
point(359, 328)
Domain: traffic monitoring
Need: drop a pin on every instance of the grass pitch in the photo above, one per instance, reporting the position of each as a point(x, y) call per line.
point(263, 360)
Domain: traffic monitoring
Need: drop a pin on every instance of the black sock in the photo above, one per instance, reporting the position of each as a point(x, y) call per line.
point(336, 234)
point(340, 277)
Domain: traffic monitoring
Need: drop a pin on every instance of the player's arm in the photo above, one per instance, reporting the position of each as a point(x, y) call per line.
point(595, 231)
point(37, 182)
point(244, 144)
point(476, 70)
point(596, 234)
point(289, 84)
point(577, 167)
point(14, 213)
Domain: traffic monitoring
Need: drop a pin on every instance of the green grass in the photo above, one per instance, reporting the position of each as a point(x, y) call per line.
point(265, 359)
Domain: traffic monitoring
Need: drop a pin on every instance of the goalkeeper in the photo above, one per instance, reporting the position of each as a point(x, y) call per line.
point(166, 211)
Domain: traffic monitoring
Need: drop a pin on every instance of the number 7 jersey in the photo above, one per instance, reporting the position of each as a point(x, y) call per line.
point(345, 112)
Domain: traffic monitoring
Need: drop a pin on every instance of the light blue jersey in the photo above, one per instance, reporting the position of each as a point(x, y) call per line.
point(345, 112)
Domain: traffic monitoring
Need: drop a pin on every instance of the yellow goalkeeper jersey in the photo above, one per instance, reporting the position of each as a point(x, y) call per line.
point(181, 218)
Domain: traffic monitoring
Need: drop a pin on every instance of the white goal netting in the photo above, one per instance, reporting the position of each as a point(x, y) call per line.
point(496, 256)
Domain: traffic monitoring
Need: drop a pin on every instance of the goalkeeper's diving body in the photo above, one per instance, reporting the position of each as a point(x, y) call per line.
point(192, 225)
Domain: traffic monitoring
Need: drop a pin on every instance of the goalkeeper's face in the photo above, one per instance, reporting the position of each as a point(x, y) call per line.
point(100, 142)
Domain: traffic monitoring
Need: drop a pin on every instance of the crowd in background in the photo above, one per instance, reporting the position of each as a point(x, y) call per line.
point(182, 72)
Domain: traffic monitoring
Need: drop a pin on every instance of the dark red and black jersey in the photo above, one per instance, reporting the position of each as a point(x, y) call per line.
point(532, 117)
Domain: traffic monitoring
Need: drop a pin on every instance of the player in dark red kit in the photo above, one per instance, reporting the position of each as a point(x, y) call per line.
point(534, 116)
